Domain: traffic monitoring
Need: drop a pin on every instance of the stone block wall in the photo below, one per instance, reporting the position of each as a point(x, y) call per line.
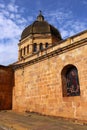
point(38, 86)
point(6, 84)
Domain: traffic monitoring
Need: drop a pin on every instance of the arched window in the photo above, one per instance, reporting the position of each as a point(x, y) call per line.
point(27, 48)
point(70, 81)
point(34, 47)
point(46, 45)
point(41, 46)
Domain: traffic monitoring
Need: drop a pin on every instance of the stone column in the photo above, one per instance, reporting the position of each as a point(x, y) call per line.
point(18, 54)
point(30, 49)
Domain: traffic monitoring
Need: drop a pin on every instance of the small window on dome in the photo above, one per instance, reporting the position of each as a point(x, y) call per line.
point(46, 45)
point(35, 47)
point(41, 46)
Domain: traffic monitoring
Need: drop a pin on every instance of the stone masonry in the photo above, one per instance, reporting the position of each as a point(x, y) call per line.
point(38, 82)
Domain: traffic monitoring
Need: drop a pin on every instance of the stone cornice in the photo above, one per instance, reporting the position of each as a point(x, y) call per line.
point(52, 53)
point(34, 36)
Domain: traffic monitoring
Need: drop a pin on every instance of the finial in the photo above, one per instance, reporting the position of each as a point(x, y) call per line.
point(40, 17)
point(40, 12)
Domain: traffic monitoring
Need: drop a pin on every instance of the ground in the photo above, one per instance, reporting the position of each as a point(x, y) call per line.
point(10, 120)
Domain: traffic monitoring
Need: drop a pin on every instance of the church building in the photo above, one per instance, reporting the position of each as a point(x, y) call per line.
point(50, 76)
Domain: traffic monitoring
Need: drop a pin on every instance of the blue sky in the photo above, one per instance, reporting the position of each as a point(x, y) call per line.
point(69, 16)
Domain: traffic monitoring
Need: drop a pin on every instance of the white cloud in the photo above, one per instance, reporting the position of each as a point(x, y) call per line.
point(64, 32)
point(59, 15)
point(10, 29)
point(8, 52)
point(12, 8)
point(30, 18)
point(72, 27)
point(65, 22)
point(2, 6)
point(84, 2)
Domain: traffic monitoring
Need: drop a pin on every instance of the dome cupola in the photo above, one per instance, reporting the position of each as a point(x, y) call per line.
point(40, 26)
point(37, 37)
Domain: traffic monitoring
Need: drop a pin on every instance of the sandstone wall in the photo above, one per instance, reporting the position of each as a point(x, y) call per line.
point(38, 86)
point(6, 83)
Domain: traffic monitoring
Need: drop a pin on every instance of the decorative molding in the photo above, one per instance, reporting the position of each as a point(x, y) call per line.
point(52, 53)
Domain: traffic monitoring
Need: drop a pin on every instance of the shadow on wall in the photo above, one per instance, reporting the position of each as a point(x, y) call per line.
point(6, 86)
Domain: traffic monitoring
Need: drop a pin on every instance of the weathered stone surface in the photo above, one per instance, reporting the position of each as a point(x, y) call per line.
point(38, 86)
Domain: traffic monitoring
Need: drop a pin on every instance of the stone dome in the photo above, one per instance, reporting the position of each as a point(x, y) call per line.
point(40, 27)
